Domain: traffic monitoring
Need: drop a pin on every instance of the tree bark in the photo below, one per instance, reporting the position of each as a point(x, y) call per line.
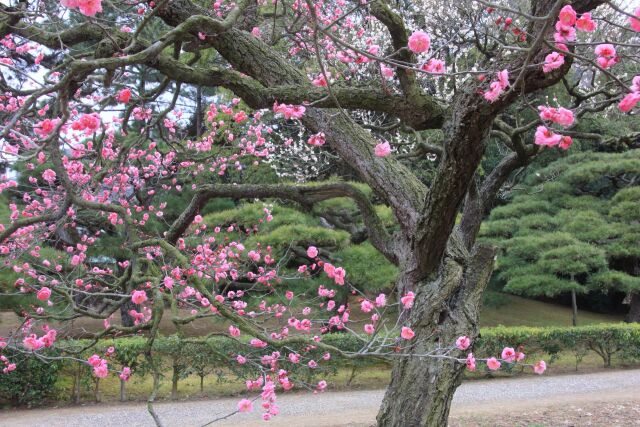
point(574, 309)
point(174, 382)
point(123, 396)
point(422, 388)
point(634, 308)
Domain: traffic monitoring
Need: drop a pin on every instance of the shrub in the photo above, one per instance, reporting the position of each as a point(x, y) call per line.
point(31, 382)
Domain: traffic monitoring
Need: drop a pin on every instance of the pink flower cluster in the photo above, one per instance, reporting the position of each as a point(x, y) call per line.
point(632, 99)
point(100, 366)
point(88, 123)
point(566, 26)
point(497, 86)
point(86, 7)
point(317, 140)
point(289, 111)
point(561, 115)
point(546, 137)
point(336, 273)
point(8, 366)
point(33, 343)
point(607, 56)
point(509, 355)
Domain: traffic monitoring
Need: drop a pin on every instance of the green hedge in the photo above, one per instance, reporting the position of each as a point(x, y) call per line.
point(606, 340)
point(184, 357)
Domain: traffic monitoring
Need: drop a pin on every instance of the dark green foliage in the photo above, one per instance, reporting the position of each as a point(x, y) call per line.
point(31, 383)
point(574, 225)
point(368, 269)
point(290, 231)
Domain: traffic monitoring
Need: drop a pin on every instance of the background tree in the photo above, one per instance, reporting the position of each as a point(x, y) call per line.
point(571, 227)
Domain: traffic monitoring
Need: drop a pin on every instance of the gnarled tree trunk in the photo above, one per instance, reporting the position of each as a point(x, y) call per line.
point(422, 388)
point(634, 308)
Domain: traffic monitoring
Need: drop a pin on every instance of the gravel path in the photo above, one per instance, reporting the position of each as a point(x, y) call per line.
point(612, 394)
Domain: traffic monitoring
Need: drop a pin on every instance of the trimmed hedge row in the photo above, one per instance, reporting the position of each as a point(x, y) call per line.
point(35, 381)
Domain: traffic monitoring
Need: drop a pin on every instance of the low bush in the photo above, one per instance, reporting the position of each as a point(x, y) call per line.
point(178, 358)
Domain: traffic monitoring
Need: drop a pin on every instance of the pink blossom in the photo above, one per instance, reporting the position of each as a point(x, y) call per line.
point(339, 275)
point(312, 252)
point(138, 297)
point(566, 142)
point(366, 306)
point(317, 139)
point(49, 175)
point(564, 33)
point(407, 333)
point(635, 22)
point(471, 362)
point(387, 72)
point(241, 360)
point(45, 127)
point(435, 66)
point(605, 62)
point(102, 370)
point(32, 343)
point(294, 358)
point(493, 364)
point(586, 24)
point(168, 282)
point(369, 328)
point(94, 360)
point(552, 61)
point(256, 32)
point(383, 149)
point(71, 4)
point(606, 49)
point(419, 42)
point(494, 92)
point(255, 342)
point(635, 87)
point(503, 78)
point(288, 295)
point(629, 102)
point(508, 354)
point(245, 405)
point(233, 331)
point(539, 367)
point(124, 95)
point(90, 7)
point(289, 111)
point(567, 15)
point(319, 81)
point(562, 116)
point(125, 374)
point(322, 385)
point(44, 294)
point(463, 342)
point(407, 299)
point(381, 300)
point(546, 137)
point(89, 123)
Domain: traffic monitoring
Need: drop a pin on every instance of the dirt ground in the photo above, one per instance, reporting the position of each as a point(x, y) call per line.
point(608, 399)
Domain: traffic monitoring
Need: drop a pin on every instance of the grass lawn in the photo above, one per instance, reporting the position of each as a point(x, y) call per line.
point(518, 311)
